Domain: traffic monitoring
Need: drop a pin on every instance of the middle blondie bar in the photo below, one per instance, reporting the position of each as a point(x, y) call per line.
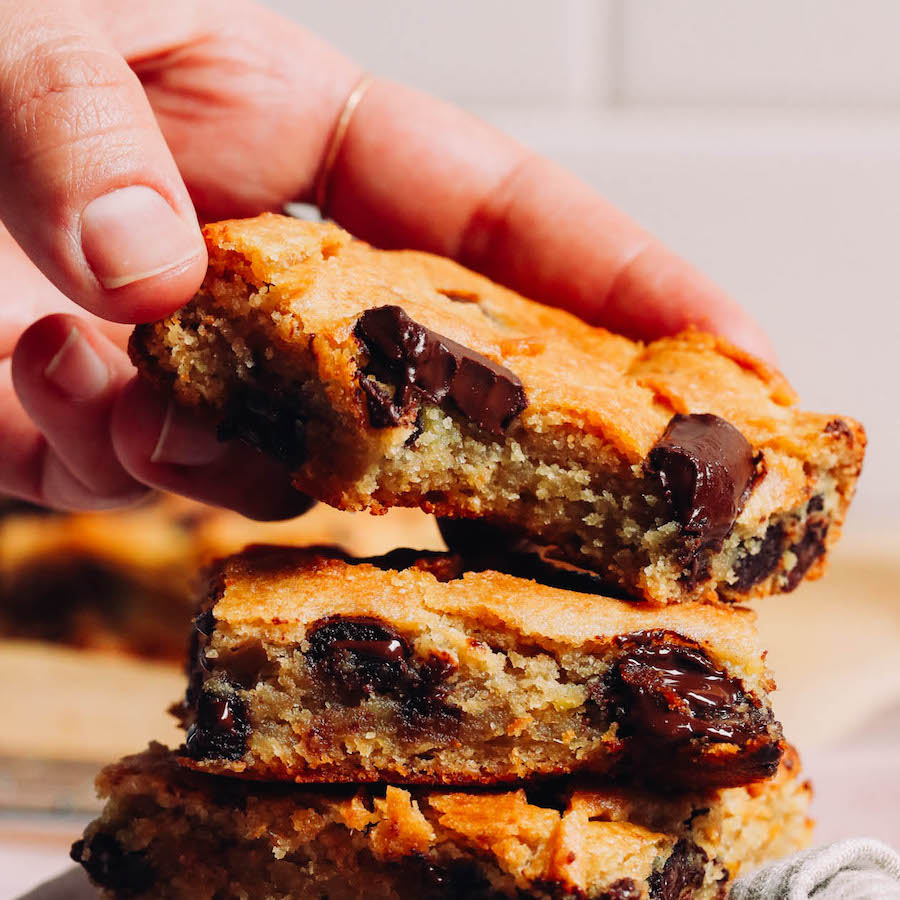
point(311, 666)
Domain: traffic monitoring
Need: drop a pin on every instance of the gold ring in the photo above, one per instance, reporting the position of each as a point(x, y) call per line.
point(337, 138)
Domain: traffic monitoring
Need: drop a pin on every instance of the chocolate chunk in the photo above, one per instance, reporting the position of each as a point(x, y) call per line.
point(807, 550)
point(205, 623)
point(198, 667)
point(453, 878)
point(421, 364)
point(623, 889)
point(361, 656)
point(752, 568)
point(707, 470)
point(839, 428)
point(423, 706)
point(220, 728)
point(126, 873)
point(358, 656)
point(816, 504)
point(270, 421)
point(673, 693)
point(683, 871)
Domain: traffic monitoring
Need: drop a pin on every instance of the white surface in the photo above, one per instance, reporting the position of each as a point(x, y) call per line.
point(796, 216)
point(486, 50)
point(795, 211)
point(761, 52)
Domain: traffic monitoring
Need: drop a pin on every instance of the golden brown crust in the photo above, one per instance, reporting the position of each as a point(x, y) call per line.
point(297, 586)
point(415, 671)
point(581, 840)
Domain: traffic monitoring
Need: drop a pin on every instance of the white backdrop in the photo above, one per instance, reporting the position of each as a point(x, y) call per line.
point(761, 140)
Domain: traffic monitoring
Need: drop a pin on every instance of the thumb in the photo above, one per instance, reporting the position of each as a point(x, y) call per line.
point(88, 186)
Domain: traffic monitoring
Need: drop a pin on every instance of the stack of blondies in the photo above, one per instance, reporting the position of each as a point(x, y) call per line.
point(569, 703)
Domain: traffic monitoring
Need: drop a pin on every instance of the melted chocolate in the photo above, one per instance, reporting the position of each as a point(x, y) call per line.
point(270, 421)
point(807, 550)
point(674, 693)
point(707, 470)
point(752, 568)
point(220, 728)
point(198, 666)
point(388, 651)
point(361, 656)
point(358, 656)
point(424, 365)
point(622, 889)
point(683, 870)
point(126, 873)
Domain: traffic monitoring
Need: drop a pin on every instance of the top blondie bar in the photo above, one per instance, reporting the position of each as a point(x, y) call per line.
point(679, 469)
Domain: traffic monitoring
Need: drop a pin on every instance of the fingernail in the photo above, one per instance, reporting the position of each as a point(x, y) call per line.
point(185, 442)
point(77, 369)
point(132, 233)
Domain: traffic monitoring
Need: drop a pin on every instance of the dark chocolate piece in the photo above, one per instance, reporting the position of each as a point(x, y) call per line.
point(270, 421)
point(360, 656)
point(453, 878)
point(683, 870)
point(418, 361)
point(622, 889)
point(707, 470)
point(840, 428)
point(205, 623)
point(198, 666)
point(807, 550)
point(752, 568)
point(674, 693)
point(220, 728)
point(127, 873)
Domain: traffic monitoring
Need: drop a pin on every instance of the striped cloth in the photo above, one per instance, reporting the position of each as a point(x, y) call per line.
point(859, 869)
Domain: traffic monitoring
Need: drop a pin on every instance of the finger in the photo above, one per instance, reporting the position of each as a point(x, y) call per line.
point(414, 171)
point(35, 297)
point(87, 185)
point(67, 376)
point(169, 447)
point(30, 469)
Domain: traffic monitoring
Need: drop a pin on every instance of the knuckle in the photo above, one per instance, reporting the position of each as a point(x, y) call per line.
point(63, 92)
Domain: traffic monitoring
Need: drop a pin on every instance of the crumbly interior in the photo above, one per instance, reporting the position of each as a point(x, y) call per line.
point(508, 708)
point(169, 834)
point(560, 486)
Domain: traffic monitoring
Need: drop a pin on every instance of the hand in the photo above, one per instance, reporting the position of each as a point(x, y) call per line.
point(118, 121)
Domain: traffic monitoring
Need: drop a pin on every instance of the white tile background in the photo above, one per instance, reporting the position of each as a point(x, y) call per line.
point(760, 139)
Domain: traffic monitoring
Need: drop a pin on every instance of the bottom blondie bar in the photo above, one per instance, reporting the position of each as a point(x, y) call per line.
point(167, 832)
